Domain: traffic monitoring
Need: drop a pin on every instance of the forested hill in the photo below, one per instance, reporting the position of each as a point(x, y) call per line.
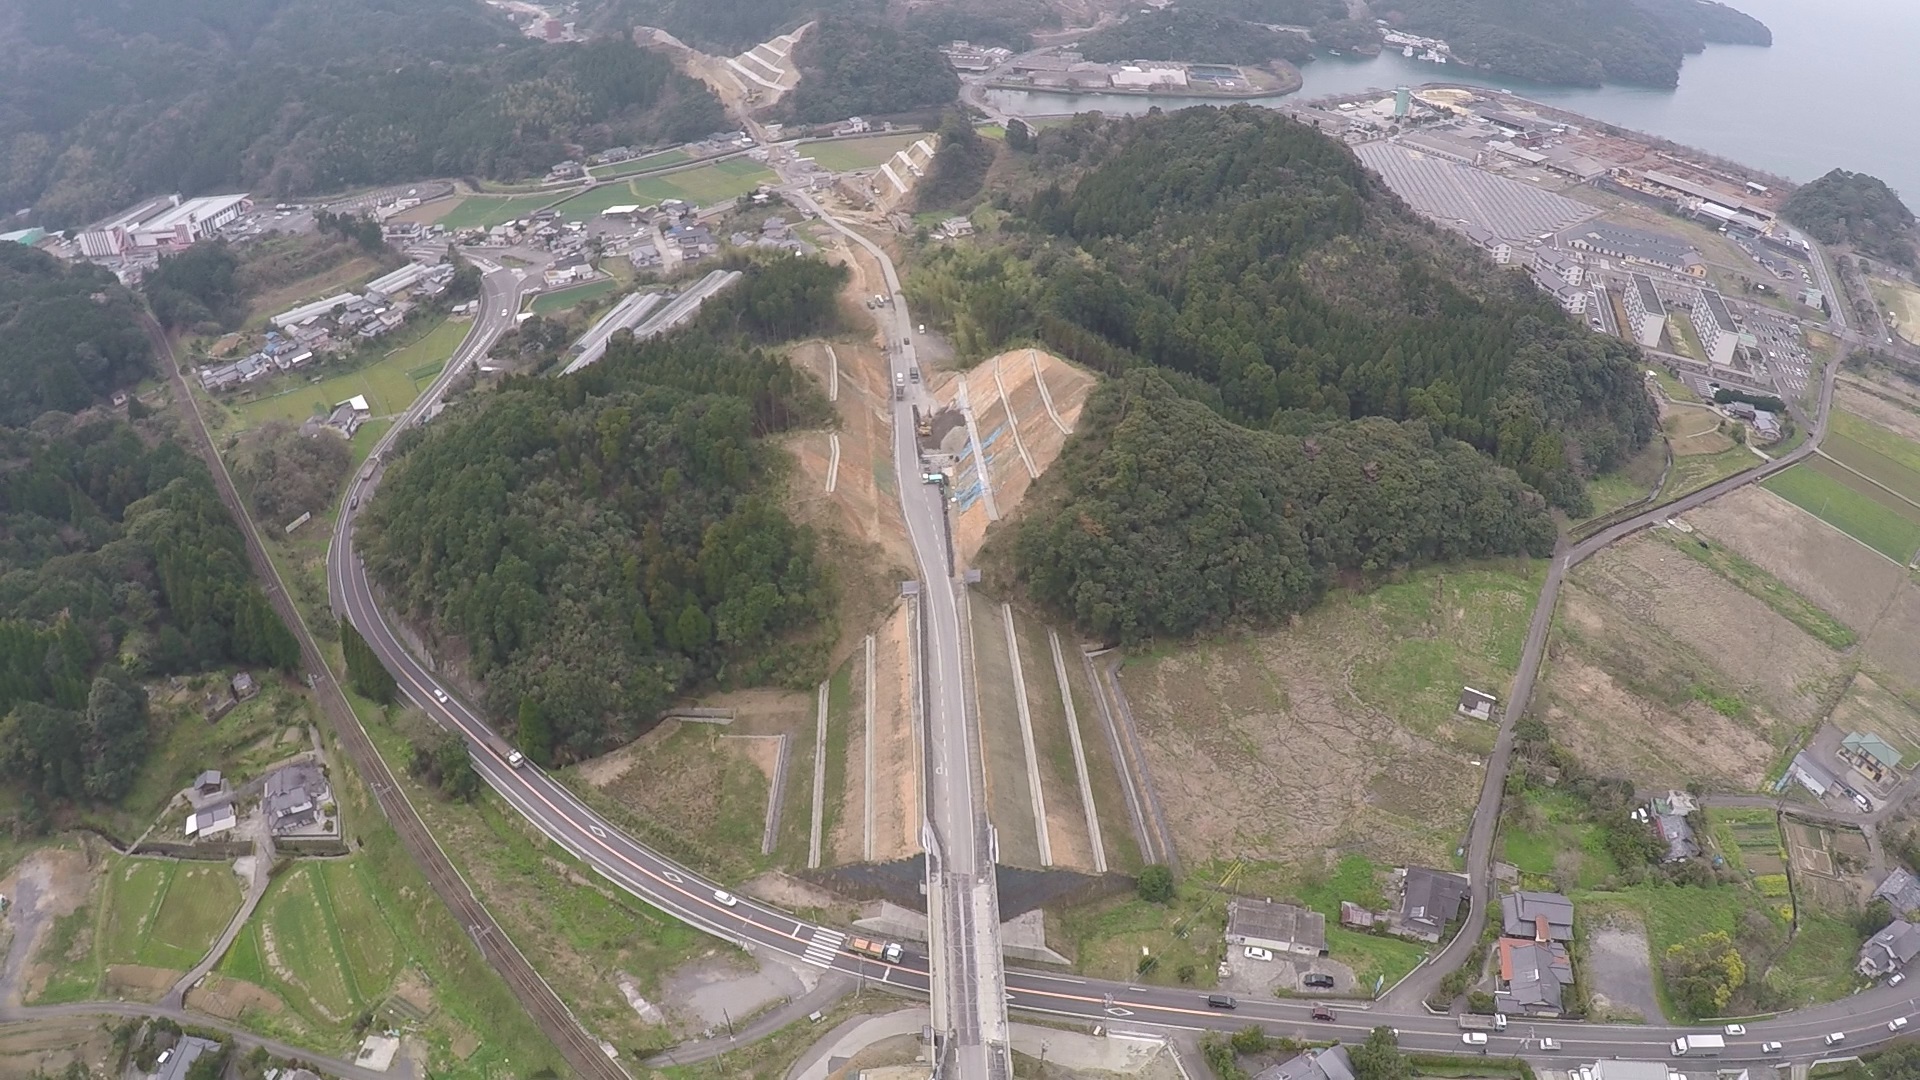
point(1331, 348)
point(117, 563)
point(852, 67)
point(67, 335)
point(1578, 42)
point(1164, 518)
point(730, 26)
point(604, 541)
point(1178, 34)
point(1854, 208)
point(105, 101)
point(1283, 283)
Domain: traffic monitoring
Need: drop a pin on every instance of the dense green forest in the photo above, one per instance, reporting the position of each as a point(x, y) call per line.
point(959, 169)
point(1164, 518)
point(1274, 278)
point(117, 561)
point(67, 335)
point(605, 541)
point(104, 101)
point(731, 26)
point(850, 67)
point(1579, 42)
point(1856, 209)
point(1202, 36)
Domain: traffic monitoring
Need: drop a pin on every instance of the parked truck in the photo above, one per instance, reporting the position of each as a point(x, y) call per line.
point(1699, 1045)
point(899, 387)
point(1477, 1022)
point(875, 949)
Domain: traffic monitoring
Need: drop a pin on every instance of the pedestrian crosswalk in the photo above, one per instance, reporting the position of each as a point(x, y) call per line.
point(823, 947)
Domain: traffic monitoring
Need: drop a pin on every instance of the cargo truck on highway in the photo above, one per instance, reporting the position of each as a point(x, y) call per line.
point(1699, 1045)
point(1476, 1022)
point(500, 746)
point(875, 949)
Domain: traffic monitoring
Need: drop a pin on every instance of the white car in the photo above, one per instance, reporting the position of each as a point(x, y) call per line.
point(1769, 1047)
point(1474, 1038)
point(725, 898)
point(1736, 1029)
point(505, 312)
point(439, 695)
point(1838, 1036)
point(1898, 1023)
point(1255, 952)
point(1898, 978)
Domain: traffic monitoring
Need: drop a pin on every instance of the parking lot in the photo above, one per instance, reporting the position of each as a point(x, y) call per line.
point(1782, 347)
point(1283, 976)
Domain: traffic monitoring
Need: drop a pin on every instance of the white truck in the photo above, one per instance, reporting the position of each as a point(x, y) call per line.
point(1699, 1045)
point(1477, 1022)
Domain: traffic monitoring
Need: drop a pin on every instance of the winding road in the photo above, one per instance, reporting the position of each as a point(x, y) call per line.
point(763, 930)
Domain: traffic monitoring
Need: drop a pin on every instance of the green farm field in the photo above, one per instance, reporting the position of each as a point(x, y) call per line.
point(390, 384)
point(845, 155)
point(1874, 465)
point(706, 185)
point(166, 914)
point(486, 211)
point(640, 164)
point(547, 303)
point(1876, 518)
point(320, 941)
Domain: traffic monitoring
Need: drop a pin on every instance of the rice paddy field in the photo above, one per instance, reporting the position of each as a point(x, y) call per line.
point(1851, 502)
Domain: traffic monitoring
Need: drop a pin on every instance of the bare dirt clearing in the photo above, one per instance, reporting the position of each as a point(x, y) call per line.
point(1877, 599)
point(1662, 671)
point(1023, 410)
point(1338, 732)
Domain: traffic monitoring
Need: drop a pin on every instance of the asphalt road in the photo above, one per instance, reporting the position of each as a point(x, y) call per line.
point(764, 930)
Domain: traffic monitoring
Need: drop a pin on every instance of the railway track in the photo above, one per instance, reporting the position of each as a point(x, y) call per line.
point(582, 1051)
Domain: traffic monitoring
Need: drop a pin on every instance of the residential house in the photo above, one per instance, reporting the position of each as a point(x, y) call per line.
point(1872, 755)
point(1542, 916)
point(1669, 813)
point(210, 820)
point(209, 784)
point(1889, 950)
point(1901, 891)
point(1287, 929)
point(1532, 976)
point(188, 1050)
point(292, 795)
point(1485, 240)
point(1427, 901)
point(1564, 266)
point(957, 227)
point(568, 269)
point(1476, 704)
point(348, 415)
point(1615, 1069)
point(1329, 1063)
point(243, 686)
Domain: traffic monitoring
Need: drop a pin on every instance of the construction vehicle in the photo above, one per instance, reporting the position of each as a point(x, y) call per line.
point(922, 423)
point(875, 949)
point(1476, 1022)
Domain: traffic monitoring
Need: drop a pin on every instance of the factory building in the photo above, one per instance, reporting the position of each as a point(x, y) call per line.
point(166, 223)
point(1646, 314)
point(1718, 334)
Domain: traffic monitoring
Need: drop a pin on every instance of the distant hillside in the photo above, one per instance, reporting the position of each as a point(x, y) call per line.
point(730, 26)
point(1578, 42)
point(104, 101)
point(1175, 34)
point(1853, 208)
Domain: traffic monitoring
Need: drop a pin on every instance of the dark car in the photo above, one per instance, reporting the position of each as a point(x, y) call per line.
point(1321, 1012)
point(1221, 1001)
point(1318, 981)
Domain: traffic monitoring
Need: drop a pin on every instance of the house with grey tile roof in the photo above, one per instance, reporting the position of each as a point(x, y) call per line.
point(1542, 916)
